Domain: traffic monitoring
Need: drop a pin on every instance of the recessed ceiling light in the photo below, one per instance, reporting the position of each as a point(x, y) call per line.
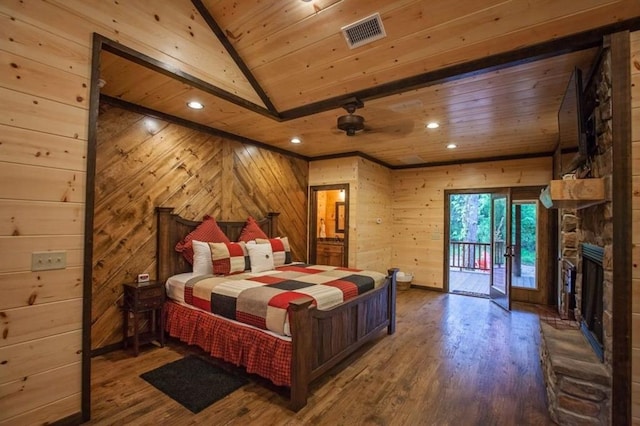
point(452, 146)
point(195, 105)
point(151, 126)
point(433, 125)
point(295, 140)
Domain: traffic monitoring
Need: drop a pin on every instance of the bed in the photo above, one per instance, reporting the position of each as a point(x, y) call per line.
point(317, 340)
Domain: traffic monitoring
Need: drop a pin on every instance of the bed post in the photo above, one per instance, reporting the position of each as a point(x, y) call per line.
point(302, 351)
point(273, 224)
point(164, 263)
point(392, 300)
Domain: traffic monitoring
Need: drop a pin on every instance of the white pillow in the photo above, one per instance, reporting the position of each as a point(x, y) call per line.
point(261, 257)
point(202, 264)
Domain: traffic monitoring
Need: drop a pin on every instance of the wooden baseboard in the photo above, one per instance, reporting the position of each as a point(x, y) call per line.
point(106, 349)
point(425, 287)
point(72, 420)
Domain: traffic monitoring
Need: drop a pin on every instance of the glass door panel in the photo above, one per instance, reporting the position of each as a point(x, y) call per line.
point(524, 234)
point(500, 250)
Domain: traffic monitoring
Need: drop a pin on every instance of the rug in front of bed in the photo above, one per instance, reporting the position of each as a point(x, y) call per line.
point(194, 382)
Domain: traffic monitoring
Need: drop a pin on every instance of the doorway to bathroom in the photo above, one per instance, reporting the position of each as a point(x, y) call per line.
point(329, 225)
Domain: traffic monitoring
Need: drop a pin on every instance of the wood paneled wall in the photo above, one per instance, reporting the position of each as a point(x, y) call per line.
point(142, 163)
point(635, 149)
point(45, 49)
point(418, 208)
point(369, 199)
point(43, 140)
point(410, 204)
point(340, 171)
point(373, 248)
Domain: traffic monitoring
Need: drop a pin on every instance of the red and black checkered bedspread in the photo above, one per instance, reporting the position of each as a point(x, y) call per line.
point(262, 300)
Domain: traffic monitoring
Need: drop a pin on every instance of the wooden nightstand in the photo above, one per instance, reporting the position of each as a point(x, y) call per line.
point(140, 298)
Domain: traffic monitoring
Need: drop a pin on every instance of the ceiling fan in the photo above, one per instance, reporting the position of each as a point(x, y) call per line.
point(395, 124)
point(351, 123)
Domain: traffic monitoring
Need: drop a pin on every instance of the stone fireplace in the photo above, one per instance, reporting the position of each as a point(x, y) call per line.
point(577, 359)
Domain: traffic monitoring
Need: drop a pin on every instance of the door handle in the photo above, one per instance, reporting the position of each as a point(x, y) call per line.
point(508, 251)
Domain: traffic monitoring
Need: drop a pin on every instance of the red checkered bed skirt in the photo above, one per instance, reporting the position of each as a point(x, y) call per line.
point(257, 351)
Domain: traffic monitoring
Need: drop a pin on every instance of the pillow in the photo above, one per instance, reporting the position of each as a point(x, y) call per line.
point(261, 257)
point(280, 248)
point(202, 263)
point(207, 231)
point(251, 231)
point(228, 258)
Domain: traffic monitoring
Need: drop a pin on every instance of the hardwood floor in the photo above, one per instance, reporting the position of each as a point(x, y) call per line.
point(454, 360)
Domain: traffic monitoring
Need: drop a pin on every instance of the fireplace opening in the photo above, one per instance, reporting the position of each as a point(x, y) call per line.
point(591, 307)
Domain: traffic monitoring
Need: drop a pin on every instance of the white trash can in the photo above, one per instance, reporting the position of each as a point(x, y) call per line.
point(404, 280)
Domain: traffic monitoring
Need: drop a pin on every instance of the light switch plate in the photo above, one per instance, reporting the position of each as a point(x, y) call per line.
point(46, 260)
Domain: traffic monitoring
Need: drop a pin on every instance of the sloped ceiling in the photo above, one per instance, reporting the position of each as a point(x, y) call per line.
point(492, 73)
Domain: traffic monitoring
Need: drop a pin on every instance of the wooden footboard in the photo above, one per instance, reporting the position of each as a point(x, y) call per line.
point(321, 339)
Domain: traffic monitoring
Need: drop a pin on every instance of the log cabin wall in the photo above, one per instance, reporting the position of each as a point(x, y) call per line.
point(44, 120)
point(635, 149)
point(418, 208)
point(369, 199)
point(143, 162)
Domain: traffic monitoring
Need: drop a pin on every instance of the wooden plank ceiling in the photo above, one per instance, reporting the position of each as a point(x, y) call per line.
point(488, 71)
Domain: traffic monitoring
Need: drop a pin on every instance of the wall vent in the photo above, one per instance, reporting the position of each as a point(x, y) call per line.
point(364, 31)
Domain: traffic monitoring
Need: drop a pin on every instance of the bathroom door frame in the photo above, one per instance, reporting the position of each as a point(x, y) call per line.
point(313, 214)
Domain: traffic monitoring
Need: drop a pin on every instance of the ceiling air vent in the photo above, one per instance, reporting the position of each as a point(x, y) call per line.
point(364, 31)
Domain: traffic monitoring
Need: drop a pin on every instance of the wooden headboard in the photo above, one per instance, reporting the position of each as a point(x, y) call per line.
point(173, 228)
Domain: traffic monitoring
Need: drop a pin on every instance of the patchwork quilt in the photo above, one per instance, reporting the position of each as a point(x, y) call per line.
point(262, 300)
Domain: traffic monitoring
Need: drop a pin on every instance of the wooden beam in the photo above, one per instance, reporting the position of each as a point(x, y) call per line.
point(165, 69)
point(196, 126)
point(87, 288)
point(234, 55)
point(560, 46)
point(622, 224)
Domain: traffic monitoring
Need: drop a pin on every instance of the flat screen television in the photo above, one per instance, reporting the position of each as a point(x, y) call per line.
point(573, 123)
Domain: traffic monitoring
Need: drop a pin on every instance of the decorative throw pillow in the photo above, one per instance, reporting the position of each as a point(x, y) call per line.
point(261, 257)
point(207, 231)
point(280, 248)
point(251, 231)
point(228, 258)
point(202, 263)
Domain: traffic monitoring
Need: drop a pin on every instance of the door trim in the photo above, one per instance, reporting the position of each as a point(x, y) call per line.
point(546, 268)
point(313, 213)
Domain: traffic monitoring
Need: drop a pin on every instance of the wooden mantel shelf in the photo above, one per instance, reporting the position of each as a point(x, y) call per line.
point(574, 193)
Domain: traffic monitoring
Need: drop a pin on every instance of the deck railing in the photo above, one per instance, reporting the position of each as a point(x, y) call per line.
point(474, 256)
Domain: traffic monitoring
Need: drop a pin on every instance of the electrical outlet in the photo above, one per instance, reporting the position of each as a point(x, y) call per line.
point(46, 260)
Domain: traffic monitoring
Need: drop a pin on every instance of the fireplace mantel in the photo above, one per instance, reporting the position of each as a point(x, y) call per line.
point(574, 193)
